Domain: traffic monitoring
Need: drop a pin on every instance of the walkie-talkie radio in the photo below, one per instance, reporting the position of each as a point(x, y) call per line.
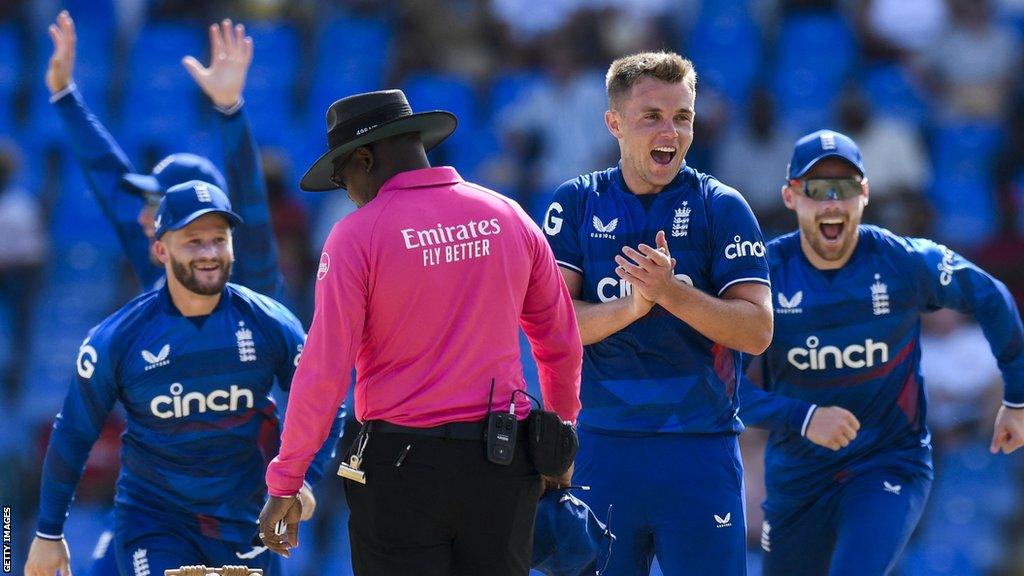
point(501, 432)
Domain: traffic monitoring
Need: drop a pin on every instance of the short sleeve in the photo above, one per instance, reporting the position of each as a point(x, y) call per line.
point(561, 226)
point(738, 250)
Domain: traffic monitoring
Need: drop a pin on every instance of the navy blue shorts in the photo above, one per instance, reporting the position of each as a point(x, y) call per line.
point(858, 526)
point(146, 544)
point(675, 496)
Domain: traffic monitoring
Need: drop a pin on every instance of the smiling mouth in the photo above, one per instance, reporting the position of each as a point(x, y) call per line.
point(831, 228)
point(664, 155)
point(207, 267)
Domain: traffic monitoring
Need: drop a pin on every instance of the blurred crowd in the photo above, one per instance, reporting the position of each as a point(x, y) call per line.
point(932, 91)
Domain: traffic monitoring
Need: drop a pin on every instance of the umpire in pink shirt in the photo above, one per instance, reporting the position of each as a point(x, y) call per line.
point(424, 288)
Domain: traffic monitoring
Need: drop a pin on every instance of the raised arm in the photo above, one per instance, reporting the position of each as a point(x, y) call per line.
point(257, 266)
point(102, 160)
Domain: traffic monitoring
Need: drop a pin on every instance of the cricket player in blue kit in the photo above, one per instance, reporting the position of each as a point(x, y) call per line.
point(667, 269)
point(848, 465)
point(193, 364)
point(129, 199)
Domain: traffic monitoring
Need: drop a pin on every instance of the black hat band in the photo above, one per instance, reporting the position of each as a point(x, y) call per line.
point(362, 123)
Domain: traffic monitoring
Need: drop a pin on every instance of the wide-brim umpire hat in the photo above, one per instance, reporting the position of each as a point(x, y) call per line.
point(360, 119)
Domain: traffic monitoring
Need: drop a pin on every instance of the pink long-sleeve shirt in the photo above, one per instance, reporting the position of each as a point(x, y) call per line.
point(425, 288)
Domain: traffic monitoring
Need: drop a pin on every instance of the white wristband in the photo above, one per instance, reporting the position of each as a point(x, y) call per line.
point(807, 419)
point(67, 90)
point(229, 110)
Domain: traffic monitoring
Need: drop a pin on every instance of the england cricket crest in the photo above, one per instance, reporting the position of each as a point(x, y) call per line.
point(681, 221)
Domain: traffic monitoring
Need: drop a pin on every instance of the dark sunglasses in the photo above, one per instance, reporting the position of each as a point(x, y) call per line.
point(821, 189)
point(339, 164)
point(336, 178)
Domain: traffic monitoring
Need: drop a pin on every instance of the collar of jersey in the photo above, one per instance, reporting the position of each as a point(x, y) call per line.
point(859, 249)
point(168, 307)
point(674, 186)
point(422, 178)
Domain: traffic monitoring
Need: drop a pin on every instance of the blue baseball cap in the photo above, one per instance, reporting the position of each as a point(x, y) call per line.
point(568, 539)
point(172, 170)
point(185, 202)
point(823, 144)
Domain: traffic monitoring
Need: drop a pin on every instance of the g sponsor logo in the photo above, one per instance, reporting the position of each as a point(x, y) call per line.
point(740, 248)
point(86, 362)
point(816, 357)
point(553, 219)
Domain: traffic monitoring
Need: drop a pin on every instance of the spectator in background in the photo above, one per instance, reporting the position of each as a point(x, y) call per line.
point(973, 63)
point(442, 36)
point(899, 29)
point(893, 153)
point(23, 257)
point(291, 228)
point(749, 158)
point(555, 129)
point(1003, 253)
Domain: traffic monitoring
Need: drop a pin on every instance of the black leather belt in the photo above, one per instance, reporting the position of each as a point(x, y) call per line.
point(453, 430)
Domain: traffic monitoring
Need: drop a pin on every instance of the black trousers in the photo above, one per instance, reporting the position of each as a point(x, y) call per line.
point(442, 509)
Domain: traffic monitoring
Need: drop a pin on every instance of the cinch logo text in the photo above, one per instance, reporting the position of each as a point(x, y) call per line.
point(178, 406)
point(740, 248)
point(869, 354)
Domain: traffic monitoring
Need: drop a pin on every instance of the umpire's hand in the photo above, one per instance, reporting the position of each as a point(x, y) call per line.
point(278, 510)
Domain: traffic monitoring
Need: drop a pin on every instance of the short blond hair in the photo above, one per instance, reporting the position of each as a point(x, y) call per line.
point(625, 72)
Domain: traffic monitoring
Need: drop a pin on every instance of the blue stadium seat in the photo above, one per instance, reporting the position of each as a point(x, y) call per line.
point(438, 91)
point(10, 74)
point(893, 93)
point(93, 67)
point(165, 118)
point(271, 82)
point(10, 58)
point(160, 99)
point(155, 60)
point(816, 51)
point(726, 49)
point(351, 57)
point(963, 195)
point(507, 87)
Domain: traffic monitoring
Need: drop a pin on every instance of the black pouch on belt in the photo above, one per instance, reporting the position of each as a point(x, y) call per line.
point(553, 443)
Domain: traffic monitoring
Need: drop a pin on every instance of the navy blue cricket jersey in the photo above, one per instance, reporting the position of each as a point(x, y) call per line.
point(201, 424)
point(851, 338)
point(657, 374)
